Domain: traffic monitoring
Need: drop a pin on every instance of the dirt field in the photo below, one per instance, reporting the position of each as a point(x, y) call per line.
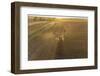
point(52, 38)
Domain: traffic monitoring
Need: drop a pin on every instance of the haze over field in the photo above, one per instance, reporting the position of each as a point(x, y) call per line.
point(57, 38)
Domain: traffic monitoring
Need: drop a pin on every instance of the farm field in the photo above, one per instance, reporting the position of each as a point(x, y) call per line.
point(57, 38)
